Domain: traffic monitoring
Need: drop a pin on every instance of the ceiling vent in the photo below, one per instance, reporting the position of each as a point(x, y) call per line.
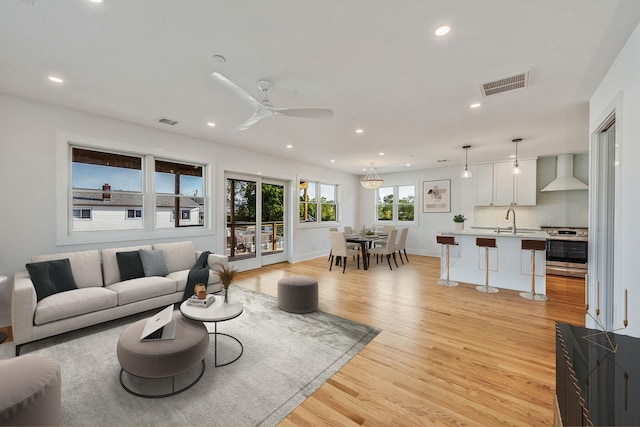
point(29, 2)
point(505, 84)
point(168, 122)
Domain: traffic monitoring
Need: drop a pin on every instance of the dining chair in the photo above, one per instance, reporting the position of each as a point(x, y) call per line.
point(401, 244)
point(386, 229)
point(348, 230)
point(340, 252)
point(388, 249)
point(331, 230)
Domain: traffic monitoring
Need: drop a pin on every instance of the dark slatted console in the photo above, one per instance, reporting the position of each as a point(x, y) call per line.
point(596, 386)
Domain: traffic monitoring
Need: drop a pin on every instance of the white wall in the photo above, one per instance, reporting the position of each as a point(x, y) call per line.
point(28, 171)
point(620, 89)
point(421, 239)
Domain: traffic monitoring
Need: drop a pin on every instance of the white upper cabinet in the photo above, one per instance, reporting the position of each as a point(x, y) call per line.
point(497, 186)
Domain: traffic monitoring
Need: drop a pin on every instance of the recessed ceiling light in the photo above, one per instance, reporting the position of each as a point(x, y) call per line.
point(441, 31)
point(219, 59)
point(442, 160)
point(476, 105)
point(96, 1)
point(211, 124)
point(56, 79)
point(364, 169)
point(407, 164)
point(512, 156)
point(332, 161)
point(359, 130)
point(381, 154)
point(289, 146)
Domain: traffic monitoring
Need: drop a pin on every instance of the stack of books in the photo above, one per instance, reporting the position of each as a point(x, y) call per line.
point(204, 303)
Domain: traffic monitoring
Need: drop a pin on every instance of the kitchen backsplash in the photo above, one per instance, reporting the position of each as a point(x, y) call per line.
point(554, 208)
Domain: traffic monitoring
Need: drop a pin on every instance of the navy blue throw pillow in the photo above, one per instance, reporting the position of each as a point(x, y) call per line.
point(130, 265)
point(51, 277)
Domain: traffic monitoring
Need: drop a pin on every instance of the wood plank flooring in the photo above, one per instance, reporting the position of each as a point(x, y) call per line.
point(445, 356)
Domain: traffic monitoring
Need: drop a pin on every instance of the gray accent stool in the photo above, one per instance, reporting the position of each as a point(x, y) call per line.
point(162, 358)
point(298, 294)
point(31, 391)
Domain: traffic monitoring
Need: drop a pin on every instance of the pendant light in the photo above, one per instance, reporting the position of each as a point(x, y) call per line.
point(466, 173)
point(372, 180)
point(516, 165)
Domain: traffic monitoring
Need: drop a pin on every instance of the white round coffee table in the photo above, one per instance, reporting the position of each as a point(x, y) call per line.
point(218, 311)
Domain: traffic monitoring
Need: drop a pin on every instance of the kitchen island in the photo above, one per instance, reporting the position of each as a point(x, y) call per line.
point(509, 265)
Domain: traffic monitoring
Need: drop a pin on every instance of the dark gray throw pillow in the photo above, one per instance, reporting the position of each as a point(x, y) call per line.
point(51, 277)
point(153, 262)
point(130, 265)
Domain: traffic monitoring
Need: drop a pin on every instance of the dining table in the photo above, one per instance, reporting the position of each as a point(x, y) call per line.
point(366, 242)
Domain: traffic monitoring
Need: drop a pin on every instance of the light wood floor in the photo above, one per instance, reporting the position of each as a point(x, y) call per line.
point(445, 356)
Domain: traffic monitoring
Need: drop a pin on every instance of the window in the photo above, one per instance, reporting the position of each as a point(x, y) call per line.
point(179, 188)
point(82, 214)
point(318, 202)
point(104, 184)
point(395, 204)
point(134, 213)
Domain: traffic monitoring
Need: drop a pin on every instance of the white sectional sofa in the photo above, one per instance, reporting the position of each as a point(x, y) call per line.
point(101, 295)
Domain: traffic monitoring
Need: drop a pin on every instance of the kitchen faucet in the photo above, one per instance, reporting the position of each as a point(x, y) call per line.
point(513, 230)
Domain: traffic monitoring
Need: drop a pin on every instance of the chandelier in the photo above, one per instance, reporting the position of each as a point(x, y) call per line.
point(371, 180)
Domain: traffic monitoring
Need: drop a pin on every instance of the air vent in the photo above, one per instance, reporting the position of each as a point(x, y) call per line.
point(29, 2)
point(505, 84)
point(168, 122)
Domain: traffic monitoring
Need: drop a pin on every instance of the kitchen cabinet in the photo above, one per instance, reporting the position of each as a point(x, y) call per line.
point(497, 186)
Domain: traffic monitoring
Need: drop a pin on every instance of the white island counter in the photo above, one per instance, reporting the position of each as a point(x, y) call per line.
point(509, 265)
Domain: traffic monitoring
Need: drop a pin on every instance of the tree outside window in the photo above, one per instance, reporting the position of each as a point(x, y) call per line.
point(310, 204)
point(395, 204)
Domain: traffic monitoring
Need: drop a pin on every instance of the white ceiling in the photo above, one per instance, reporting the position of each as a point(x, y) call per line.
point(376, 63)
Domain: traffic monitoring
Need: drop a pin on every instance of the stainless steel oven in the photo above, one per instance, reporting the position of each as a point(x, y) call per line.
point(567, 251)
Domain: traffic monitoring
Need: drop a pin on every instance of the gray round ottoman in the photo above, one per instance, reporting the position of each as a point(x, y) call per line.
point(298, 294)
point(30, 394)
point(163, 358)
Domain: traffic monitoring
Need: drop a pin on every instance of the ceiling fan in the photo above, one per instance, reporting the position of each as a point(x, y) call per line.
point(264, 108)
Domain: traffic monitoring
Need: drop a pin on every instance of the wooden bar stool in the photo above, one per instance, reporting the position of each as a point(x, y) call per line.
point(486, 243)
point(446, 241)
point(533, 246)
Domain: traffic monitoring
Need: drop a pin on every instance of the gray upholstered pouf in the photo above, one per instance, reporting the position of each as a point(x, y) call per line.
point(298, 294)
point(163, 358)
point(30, 394)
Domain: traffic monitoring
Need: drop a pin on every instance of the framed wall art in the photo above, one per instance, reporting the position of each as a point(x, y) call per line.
point(436, 196)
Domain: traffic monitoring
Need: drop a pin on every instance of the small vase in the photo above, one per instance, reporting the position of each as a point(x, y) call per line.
point(459, 225)
point(226, 295)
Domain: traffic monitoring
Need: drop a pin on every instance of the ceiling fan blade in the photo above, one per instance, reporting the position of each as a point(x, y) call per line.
point(255, 118)
point(309, 113)
point(236, 89)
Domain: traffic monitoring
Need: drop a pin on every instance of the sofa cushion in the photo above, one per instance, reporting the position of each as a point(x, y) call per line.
point(130, 265)
point(74, 303)
point(178, 256)
point(85, 266)
point(110, 267)
point(143, 288)
point(153, 262)
point(51, 277)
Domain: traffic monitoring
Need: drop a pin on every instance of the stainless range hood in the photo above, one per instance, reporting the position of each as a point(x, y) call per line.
point(565, 180)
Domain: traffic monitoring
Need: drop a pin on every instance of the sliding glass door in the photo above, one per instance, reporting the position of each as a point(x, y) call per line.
point(256, 212)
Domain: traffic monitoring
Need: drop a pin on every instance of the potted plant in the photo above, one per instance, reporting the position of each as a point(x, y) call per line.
point(459, 221)
point(226, 274)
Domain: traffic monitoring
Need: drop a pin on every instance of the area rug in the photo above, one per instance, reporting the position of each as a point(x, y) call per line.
point(286, 358)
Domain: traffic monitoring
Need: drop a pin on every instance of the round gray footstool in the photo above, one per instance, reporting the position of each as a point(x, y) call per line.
point(162, 358)
point(298, 294)
point(30, 394)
